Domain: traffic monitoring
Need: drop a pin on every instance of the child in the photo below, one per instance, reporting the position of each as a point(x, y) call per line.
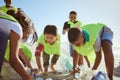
point(24, 54)
point(8, 6)
point(72, 23)
point(49, 44)
point(11, 30)
point(91, 39)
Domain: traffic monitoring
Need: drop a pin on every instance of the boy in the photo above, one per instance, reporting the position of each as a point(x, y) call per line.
point(93, 37)
point(72, 23)
point(49, 44)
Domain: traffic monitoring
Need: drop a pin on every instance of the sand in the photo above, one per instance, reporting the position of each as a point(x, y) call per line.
point(9, 74)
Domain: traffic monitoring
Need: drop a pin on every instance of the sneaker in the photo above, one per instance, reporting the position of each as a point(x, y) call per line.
point(117, 71)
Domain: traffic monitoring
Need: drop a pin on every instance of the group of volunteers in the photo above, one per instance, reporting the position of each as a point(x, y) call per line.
point(86, 41)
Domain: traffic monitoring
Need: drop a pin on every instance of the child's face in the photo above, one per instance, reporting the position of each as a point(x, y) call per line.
point(79, 42)
point(72, 17)
point(50, 38)
point(8, 2)
point(26, 33)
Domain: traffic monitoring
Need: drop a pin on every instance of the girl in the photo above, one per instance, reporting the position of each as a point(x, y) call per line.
point(11, 30)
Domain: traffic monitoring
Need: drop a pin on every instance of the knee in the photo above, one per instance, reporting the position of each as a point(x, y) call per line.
point(46, 63)
point(54, 59)
point(106, 43)
point(107, 47)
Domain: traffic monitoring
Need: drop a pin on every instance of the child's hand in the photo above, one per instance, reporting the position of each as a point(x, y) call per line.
point(41, 70)
point(75, 71)
point(38, 71)
point(34, 70)
point(64, 31)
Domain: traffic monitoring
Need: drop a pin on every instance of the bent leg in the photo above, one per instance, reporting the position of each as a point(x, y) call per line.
point(109, 58)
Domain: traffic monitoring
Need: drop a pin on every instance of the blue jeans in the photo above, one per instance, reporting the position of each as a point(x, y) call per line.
point(71, 50)
point(104, 34)
point(3, 43)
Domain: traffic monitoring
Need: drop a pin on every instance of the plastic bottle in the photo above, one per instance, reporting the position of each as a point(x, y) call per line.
point(29, 71)
point(49, 79)
point(65, 62)
point(39, 79)
point(77, 75)
point(68, 65)
point(100, 76)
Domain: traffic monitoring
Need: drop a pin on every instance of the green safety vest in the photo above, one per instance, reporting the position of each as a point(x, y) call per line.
point(6, 16)
point(5, 9)
point(24, 48)
point(73, 25)
point(26, 51)
point(50, 49)
point(87, 49)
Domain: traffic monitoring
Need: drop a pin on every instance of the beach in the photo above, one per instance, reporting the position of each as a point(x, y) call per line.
point(9, 74)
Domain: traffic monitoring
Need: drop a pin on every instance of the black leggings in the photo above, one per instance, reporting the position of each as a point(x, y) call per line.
point(3, 44)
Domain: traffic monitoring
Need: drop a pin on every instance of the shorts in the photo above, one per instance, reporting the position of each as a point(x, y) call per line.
point(71, 50)
point(46, 58)
point(104, 34)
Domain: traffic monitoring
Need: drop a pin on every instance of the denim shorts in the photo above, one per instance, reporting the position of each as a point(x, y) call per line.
point(104, 34)
point(71, 50)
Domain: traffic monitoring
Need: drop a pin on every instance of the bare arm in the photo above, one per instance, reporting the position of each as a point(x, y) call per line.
point(87, 60)
point(97, 60)
point(38, 52)
point(66, 27)
point(24, 58)
point(64, 31)
point(75, 62)
point(38, 60)
point(14, 60)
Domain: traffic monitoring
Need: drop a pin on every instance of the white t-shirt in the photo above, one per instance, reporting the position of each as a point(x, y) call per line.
point(97, 44)
point(6, 26)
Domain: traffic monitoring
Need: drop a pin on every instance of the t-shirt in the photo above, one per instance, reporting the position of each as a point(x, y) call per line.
point(6, 26)
point(69, 24)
